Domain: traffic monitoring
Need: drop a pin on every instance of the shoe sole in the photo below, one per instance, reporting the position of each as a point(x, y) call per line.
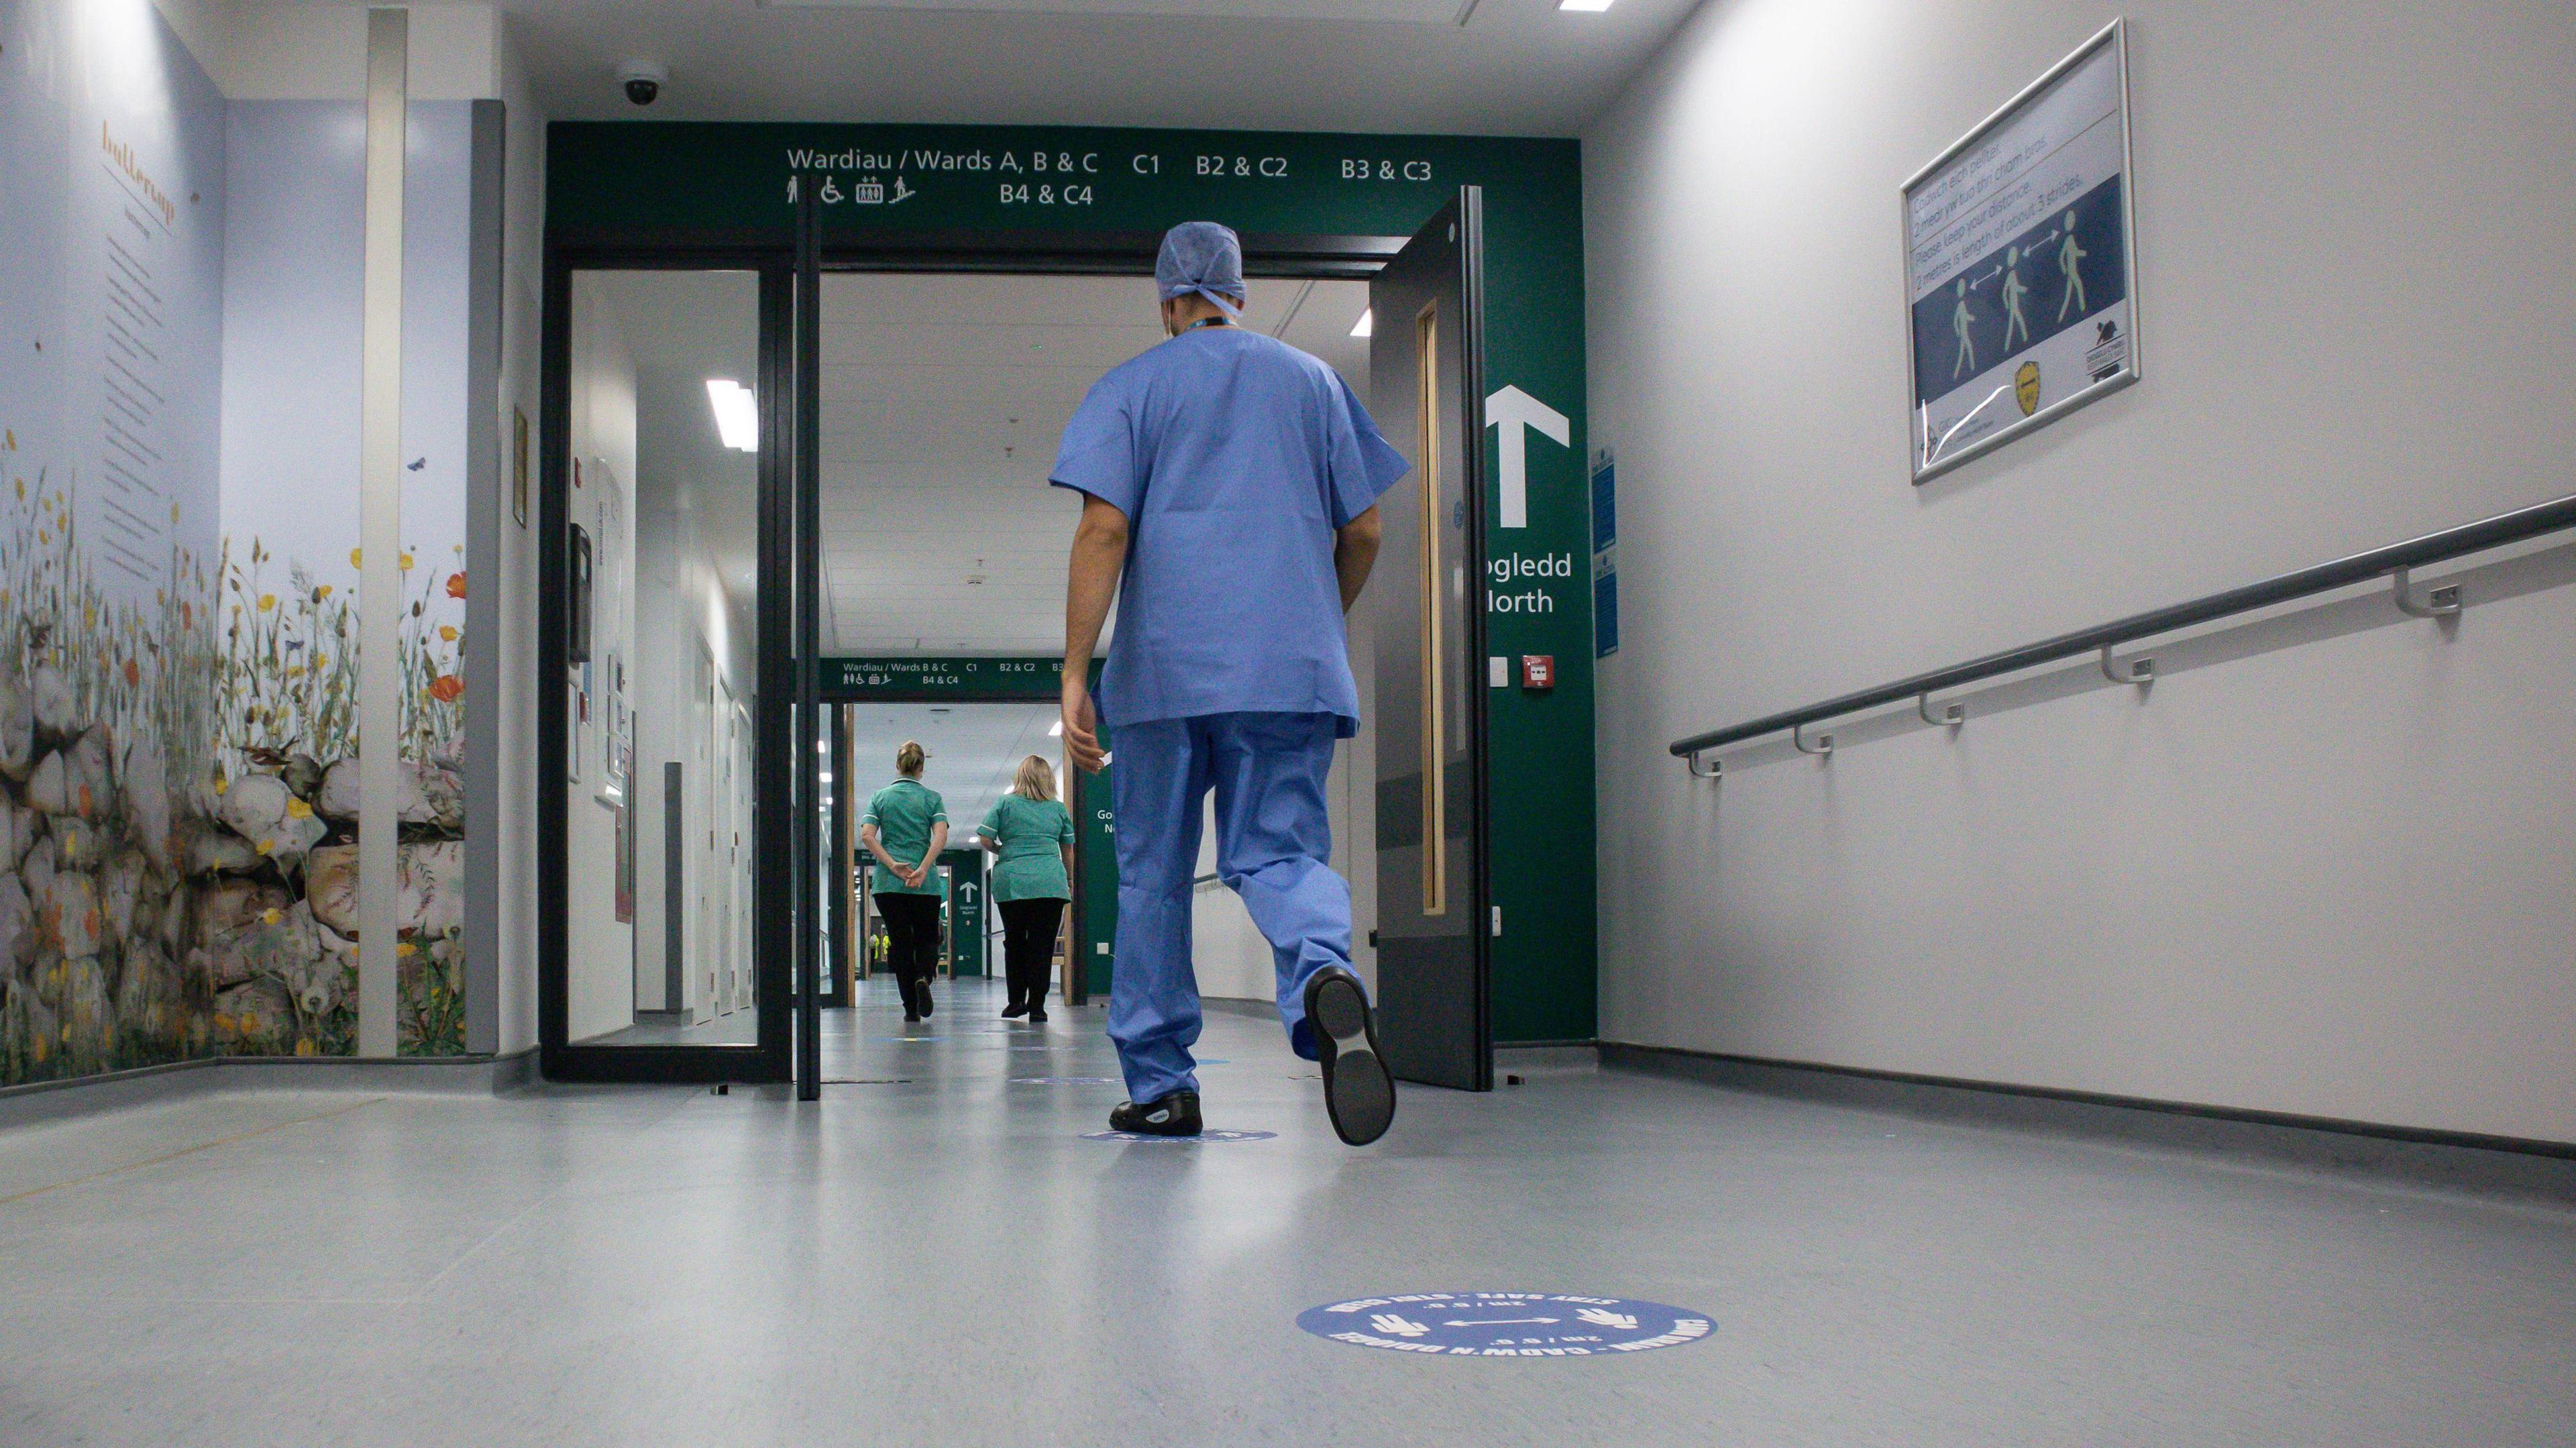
point(1359, 1093)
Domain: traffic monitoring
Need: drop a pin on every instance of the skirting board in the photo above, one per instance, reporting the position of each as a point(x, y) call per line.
point(2506, 1165)
point(448, 1075)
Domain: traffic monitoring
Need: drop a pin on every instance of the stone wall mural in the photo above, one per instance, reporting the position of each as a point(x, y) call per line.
point(179, 808)
point(179, 335)
point(280, 843)
point(108, 905)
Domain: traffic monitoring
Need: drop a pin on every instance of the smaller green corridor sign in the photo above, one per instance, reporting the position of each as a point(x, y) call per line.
point(977, 678)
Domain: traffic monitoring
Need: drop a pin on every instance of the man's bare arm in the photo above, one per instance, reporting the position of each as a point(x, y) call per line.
point(1355, 554)
point(1091, 581)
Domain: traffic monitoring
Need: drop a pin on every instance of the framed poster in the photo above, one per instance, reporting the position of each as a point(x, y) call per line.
point(2020, 276)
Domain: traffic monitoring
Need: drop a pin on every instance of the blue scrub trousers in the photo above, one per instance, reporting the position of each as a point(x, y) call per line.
point(1273, 838)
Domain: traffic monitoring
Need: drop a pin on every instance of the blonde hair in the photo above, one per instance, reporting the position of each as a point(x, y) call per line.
point(1036, 779)
point(908, 759)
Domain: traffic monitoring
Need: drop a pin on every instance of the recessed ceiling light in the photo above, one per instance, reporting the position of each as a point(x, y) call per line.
point(1594, 5)
point(1366, 323)
point(737, 419)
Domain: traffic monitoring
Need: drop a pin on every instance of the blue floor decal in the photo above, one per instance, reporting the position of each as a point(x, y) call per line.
point(1505, 1324)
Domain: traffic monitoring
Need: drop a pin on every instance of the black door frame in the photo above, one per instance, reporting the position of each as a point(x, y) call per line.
point(782, 696)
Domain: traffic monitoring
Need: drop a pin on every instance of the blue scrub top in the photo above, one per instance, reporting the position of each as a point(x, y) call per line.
point(1235, 458)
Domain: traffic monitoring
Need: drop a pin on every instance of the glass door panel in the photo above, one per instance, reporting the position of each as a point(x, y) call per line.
point(657, 515)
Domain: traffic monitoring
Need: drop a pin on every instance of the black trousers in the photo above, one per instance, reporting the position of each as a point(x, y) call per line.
point(1028, 946)
point(912, 943)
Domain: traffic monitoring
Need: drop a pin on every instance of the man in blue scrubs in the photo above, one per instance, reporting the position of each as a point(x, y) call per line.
point(1234, 481)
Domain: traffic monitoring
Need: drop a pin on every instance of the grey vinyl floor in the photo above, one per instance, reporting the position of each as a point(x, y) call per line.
point(935, 1256)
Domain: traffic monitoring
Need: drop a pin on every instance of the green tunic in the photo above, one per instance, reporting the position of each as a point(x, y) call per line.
point(1032, 834)
point(903, 813)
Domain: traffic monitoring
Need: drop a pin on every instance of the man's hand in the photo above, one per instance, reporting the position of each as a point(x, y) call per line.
point(1081, 726)
point(1355, 546)
point(1091, 580)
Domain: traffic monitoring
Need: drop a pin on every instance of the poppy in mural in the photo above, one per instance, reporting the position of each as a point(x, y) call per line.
point(456, 585)
point(446, 687)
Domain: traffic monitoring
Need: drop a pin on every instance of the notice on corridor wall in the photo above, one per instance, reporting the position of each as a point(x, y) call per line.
point(2018, 262)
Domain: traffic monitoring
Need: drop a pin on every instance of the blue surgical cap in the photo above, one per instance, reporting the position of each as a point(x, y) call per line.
point(1202, 257)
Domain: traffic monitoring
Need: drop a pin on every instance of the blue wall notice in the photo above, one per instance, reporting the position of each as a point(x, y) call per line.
point(1605, 554)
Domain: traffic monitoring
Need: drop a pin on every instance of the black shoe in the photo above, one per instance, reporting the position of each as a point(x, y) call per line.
point(1037, 1015)
point(1014, 1010)
point(1174, 1115)
point(925, 999)
point(911, 1017)
point(1359, 1092)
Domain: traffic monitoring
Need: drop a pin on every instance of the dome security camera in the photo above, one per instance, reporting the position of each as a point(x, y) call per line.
point(643, 81)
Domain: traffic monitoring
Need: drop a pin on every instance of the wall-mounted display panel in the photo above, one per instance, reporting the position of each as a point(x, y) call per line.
point(2021, 284)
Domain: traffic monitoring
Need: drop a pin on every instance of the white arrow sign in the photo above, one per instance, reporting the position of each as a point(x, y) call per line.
point(1511, 410)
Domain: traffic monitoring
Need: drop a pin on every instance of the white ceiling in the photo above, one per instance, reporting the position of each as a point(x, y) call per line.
point(1514, 67)
point(944, 396)
point(974, 751)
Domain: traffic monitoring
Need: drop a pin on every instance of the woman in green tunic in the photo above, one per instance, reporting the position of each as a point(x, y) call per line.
point(1031, 835)
point(905, 828)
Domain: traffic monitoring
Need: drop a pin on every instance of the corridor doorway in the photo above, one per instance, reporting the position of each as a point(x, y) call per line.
point(915, 528)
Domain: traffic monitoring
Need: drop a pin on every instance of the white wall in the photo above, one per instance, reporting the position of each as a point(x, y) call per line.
point(600, 949)
point(683, 613)
point(2330, 877)
point(297, 50)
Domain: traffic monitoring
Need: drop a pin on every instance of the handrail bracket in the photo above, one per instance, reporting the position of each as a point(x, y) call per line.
point(2140, 672)
point(2441, 602)
point(1824, 742)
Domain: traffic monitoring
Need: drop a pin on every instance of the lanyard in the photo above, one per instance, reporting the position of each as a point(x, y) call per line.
point(1207, 322)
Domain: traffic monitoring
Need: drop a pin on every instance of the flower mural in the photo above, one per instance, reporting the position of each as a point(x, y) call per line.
point(179, 804)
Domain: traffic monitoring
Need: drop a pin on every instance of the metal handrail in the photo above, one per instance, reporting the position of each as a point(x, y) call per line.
point(2392, 562)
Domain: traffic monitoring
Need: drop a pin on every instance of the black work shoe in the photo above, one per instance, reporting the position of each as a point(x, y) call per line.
point(1037, 1015)
point(925, 998)
point(1174, 1115)
point(1359, 1092)
point(1014, 1011)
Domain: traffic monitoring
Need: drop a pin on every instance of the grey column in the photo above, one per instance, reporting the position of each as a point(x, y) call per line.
point(487, 474)
point(380, 527)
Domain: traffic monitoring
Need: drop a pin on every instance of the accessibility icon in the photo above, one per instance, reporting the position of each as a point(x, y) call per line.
point(1505, 1324)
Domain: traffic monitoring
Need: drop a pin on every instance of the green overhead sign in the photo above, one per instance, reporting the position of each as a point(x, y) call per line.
point(1002, 678)
point(640, 177)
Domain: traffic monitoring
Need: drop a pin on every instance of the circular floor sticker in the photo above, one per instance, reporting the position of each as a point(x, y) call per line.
point(1505, 1324)
point(1138, 1136)
point(1066, 1081)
